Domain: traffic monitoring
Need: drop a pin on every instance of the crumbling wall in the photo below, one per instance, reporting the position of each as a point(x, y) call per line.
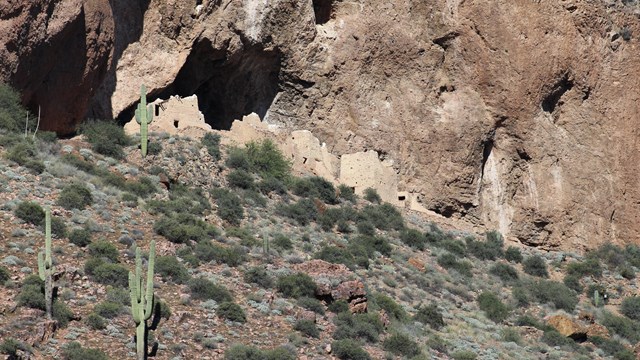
point(174, 115)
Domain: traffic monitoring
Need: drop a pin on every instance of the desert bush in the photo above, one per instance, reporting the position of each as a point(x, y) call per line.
point(336, 255)
point(212, 142)
point(267, 160)
point(75, 196)
point(11, 346)
point(383, 217)
point(535, 266)
point(621, 326)
point(229, 206)
point(307, 327)
point(573, 282)
point(546, 291)
point(390, 306)
point(296, 285)
point(240, 179)
point(454, 246)
point(58, 227)
point(231, 255)
point(30, 212)
point(612, 347)
point(358, 326)
point(12, 113)
point(492, 306)
point(552, 337)
point(365, 227)
point(338, 306)
point(106, 138)
point(142, 187)
point(505, 272)
point(182, 228)
point(75, 351)
point(512, 254)
point(31, 293)
point(346, 193)
point(4, 274)
point(372, 244)
point(430, 315)
point(204, 289)
point(25, 153)
point(487, 250)
point(108, 309)
point(348, 349)
point(630, 307)
point(258, 275)
point(401, 345)
point(104, 249)
point(312, 304)
point(315, 187)
point(589, 267)
point(464, 355)
point(413, 238)
point(449, 261)
point(80, 237)
point(111, 274)
point(154, 148)
point(303, 212)
point(171, 269)
point(282, 242)
point(243, 352)
point(96, 322)
point(231, 311)
point(272, 185)
point(371, 195)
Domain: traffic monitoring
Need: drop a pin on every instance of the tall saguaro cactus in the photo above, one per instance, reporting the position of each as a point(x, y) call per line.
point(142, 301)
point(45, 265)
point(144, 117)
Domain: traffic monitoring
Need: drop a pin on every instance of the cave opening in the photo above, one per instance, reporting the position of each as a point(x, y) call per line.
point(553, 98)
point(323, 10)
point(228, 86)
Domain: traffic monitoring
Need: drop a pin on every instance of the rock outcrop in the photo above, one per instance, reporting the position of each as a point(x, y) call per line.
point(515, 115)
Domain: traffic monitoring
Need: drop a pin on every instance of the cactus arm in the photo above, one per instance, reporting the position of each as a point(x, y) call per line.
point(144, 117)
point(41, 271)
point(149, 295)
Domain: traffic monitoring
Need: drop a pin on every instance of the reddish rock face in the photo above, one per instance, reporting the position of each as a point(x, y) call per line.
point(517, 115)
point(56, 54)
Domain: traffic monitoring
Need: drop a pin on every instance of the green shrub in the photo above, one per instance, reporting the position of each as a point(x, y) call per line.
point(111, 274)
point(307, 327)
point(464, 355)
point(315, 187)
point(96, 322)
point(104, 249)
point(505, 272)
point(11, 346)
point(244, 234)
point(229, 206)
point(493, 307)
point(4, 274)
point(272, 185)
point(182, 228)
point(573, 282)
point(359, 326)
point(312, 304)
point(232, 256)
point(510, 335)
point(348, 349)
point(621, 326)
point(12, 113)
point(182, 199)
point(243, 352)
point(401, 345)
point(106, 138)
point(454, 246)
point(371, 195)
point(143, 187)
point(589, 267)
point(212, 142)
point(430, 315)
point(75, 351)
point(449, 261)
point(346, 193)
point(627, 272)
point(240, 179)
point(487, 250)
point(512, 254)
point(267, 160)
point(630, 307)
point(612, 347)
point(231, 311)
point(258, 275)
point(80, 237)
point(171, 269)
point(390, 306)
point(365, 227)
point(535, 266)
point(25, 153)
point(75, 196)
point(296, 285)
point(30, 212)
point(154, 148)
point(338, 306)
point(336, 255)
point(282, 242)
point(31, 293)
point(383, 217)
point(552, 337)
point(204, 289)
point(413, 238)
point(108, 309)
point(546, 291)
point(61, 313)
point(303, 212)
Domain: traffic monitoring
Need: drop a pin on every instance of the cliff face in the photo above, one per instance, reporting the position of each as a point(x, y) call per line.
point(516, 115)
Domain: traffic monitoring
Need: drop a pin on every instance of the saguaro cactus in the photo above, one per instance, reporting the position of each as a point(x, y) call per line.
point(45, 265)
point(144, 117)
point(142, 302)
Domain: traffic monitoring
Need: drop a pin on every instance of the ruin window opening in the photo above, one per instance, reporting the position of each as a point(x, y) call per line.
point(402, 198)
point(176, 123)
point(157, 110)
point(323, 10)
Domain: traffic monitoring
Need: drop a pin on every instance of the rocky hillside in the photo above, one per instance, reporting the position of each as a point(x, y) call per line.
point(514, 115)
point(254, 263)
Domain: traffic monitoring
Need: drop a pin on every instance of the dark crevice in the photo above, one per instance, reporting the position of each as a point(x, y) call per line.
point(522, 154)
point(487, 147)
point(445, 41)
point(228, 86)
point(552, 99)
point(323, 10)
point(448, 210)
